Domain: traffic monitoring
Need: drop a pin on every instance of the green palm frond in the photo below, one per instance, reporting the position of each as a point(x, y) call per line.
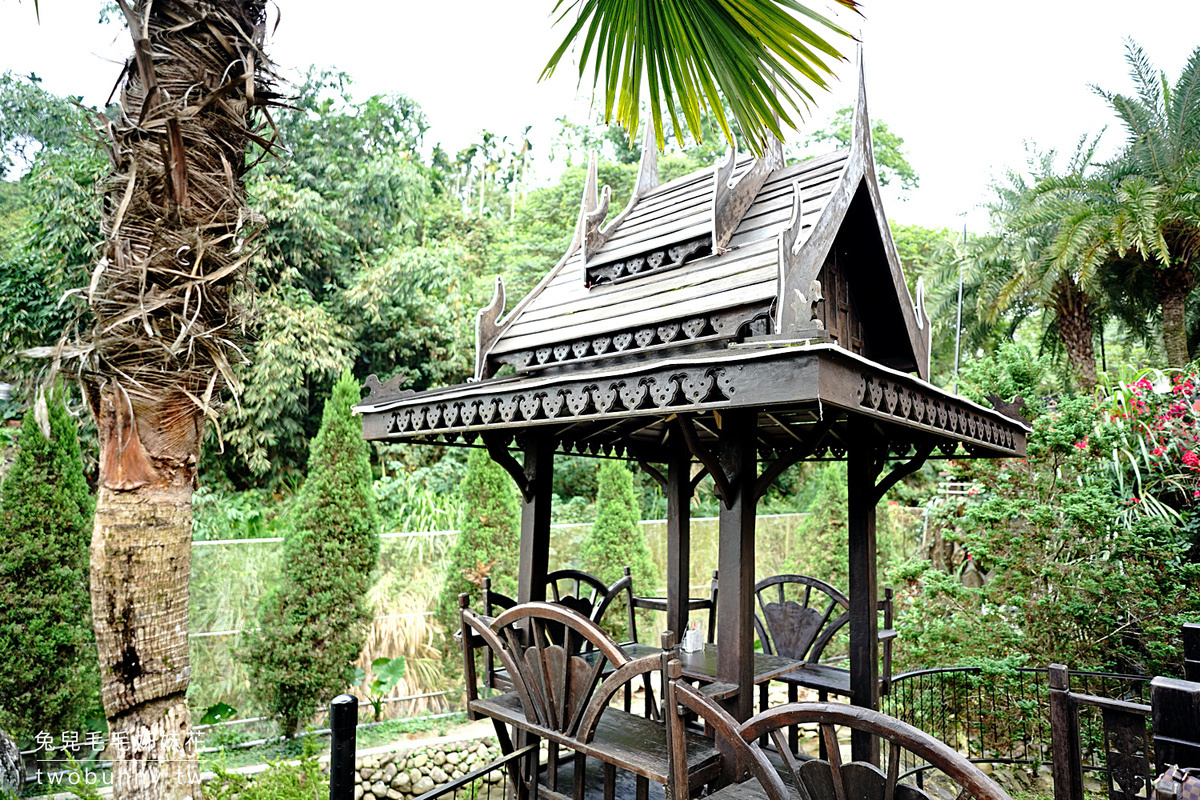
point(761, 56)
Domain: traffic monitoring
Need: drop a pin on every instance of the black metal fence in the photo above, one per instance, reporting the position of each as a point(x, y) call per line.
point(1003, 716)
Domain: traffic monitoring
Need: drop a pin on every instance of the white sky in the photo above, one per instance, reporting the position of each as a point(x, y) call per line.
point(965, 83)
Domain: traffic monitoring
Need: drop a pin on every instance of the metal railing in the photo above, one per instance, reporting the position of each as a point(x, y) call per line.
point(1002, 716)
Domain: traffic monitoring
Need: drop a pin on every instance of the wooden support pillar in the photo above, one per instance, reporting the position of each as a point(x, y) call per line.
point(535, 520)
point(861, 471)
point(737, 454)
point(679, 536)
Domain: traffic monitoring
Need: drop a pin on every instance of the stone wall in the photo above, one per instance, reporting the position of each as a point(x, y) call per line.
point(407, 774)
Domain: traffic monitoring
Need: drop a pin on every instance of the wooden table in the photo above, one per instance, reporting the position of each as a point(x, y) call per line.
point(701, 665)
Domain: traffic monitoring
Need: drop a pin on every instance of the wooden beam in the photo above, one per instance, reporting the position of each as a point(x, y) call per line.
point(735, 561)
point(861, 472)
point(721, 480)
point(793, 454)
point(902, 471)
point(679, 536)
point(497, 448)
point(535, 519)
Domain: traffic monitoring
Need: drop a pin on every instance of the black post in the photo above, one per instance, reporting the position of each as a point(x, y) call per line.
point(738, 457)
point(1064, 737)
point(343, 724)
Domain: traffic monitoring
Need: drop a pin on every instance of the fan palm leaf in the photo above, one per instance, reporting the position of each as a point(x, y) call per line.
point(760, 56)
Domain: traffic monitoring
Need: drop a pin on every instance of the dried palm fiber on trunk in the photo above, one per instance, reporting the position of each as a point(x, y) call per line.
point(163, 332)
point(177, 230)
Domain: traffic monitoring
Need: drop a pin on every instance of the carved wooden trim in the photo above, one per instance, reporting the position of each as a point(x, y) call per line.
point(658, 259)
point(677, 332)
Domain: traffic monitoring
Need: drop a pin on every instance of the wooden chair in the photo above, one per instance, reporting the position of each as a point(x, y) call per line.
point(585, 594)
point(798, 616)
point(778, 774)
point(708, 604)
point(564, 671)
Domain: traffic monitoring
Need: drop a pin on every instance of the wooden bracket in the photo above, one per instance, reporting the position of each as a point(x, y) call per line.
point(902, 470)
point(498, 450)
point(722, 485)
point(793, 454)
point(698, 477)
point(659, 478)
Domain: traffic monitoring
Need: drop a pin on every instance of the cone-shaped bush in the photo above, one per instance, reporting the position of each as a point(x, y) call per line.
point(488, 539)
point(616, 540)
point(315, 623)
point(48, 667)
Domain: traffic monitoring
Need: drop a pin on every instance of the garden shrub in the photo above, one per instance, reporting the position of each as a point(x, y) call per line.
point(315, 623)
point(616, 541)
point(49, 679)
point(488, 540)
point(1072, 578)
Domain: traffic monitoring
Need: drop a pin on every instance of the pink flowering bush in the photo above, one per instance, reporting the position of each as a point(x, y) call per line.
point(1149, 434)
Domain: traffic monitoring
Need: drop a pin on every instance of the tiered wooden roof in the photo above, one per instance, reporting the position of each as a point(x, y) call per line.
point(750, 283)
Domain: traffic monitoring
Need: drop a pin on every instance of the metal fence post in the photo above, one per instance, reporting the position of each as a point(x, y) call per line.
point(343, 724)
point(1064, 737)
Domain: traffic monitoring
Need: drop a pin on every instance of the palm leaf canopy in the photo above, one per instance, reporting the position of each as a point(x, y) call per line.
point(760, 56)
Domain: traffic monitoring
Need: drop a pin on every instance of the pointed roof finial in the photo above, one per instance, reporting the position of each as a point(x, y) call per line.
point(647, 177)
point(592, 210)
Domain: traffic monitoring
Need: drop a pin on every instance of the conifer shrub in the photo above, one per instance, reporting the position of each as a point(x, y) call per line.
point(314, 624)
point(488, 543)
point(49, 679)
point(616, 541)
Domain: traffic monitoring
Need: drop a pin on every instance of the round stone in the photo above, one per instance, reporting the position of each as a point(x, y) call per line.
point(439, 775)
point(424, 785)
point(439, 757)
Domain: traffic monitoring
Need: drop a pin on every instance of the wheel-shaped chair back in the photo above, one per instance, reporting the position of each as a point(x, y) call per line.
point(798, 615)
point(556, 660)
point(825, 779)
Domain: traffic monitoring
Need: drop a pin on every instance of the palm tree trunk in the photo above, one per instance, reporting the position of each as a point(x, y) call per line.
point(163, 302)
point(141, 564)
point(1076, 330)
point(1172, 286)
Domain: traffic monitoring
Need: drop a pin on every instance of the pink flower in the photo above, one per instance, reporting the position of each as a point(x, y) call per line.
point(1158, 451)
point(1191, 459)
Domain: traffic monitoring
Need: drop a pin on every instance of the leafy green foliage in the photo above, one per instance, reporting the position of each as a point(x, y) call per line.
point(48, 669)
point(1066, 580)
point(616, 540)
point(488, 539)
point(314, 624)
point(282, 781)
point(759, 57)
point(388, 673)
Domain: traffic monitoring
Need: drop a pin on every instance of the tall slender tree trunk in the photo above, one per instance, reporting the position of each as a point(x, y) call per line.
point(165, 319)
point(1172, 286)
point(141, 564)
point(1077, 332)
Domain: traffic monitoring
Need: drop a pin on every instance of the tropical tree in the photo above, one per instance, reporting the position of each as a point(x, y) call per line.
point(1015, 268)
point(155, 350)
point(759, 56)
point(1140, 214)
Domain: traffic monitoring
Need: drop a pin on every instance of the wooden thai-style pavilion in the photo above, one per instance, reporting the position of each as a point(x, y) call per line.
point(730, 323)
